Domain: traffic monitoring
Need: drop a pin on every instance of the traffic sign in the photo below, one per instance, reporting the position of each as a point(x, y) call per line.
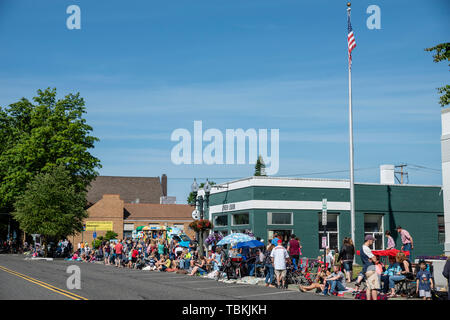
point(324, 242)
point(94, 235)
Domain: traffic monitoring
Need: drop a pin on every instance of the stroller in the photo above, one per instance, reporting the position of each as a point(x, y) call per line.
point(233, 268)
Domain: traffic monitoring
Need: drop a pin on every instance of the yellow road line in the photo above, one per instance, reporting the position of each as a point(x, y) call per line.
point(44, 284)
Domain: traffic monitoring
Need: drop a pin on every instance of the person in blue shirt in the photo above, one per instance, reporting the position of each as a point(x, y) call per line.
point(424, 281)
point(394, 269)
point(275, 239)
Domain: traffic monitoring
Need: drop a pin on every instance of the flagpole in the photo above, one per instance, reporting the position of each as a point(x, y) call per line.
point(350, 113)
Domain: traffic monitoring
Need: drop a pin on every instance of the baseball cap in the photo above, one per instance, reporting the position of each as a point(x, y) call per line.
point(369, 237)
point(279, 241)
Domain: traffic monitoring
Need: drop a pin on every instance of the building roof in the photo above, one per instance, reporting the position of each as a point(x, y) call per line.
point(146, 189)
point(136, 211)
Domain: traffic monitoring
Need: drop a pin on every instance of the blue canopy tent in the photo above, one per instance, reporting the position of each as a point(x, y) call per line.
point(250, 244)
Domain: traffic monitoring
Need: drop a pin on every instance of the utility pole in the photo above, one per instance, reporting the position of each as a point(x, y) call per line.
point(402, 173)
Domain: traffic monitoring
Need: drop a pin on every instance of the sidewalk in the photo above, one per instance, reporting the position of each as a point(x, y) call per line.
point(260, 282)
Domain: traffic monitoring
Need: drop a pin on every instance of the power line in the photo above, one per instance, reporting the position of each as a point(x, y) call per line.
point(423, 167)
point(284, 175)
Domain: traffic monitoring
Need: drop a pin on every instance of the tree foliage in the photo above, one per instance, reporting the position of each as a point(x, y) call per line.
point(260, 167)
point(37, 137)
point(51, 205)
point(110, 235)
point(442, 53)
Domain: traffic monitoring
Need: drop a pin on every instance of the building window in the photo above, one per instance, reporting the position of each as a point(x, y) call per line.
point(279, 218)
point(332, 231)
point(221, 221)
point(441, 230)
point(240, 219)
point(373, 225)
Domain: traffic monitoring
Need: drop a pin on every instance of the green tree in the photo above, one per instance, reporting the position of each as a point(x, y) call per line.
point(51, 206)
point(109, 235)
point(442, 53)
point(191, 199)
point(37, 137)
point(260, 167)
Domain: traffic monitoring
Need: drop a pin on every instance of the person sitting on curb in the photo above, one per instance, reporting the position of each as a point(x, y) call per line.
point(336, 282)
point(319, 282)
point(199, 266)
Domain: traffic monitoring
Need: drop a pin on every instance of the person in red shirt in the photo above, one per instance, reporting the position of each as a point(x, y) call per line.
point(118, 248)
point(294, 250)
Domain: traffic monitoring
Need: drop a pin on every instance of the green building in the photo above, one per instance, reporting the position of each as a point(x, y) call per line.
point(265, 205)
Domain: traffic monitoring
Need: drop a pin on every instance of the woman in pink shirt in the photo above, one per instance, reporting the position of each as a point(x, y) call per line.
point(390, 240)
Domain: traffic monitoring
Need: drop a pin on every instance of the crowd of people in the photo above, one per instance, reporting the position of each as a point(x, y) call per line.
point(272, 261)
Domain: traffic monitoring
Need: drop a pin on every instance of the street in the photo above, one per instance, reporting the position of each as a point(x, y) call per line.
point(46, 280)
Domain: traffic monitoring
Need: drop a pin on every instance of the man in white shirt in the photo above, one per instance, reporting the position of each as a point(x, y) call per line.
point(279, 256)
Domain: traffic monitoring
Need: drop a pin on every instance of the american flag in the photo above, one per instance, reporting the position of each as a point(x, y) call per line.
point(350, 39)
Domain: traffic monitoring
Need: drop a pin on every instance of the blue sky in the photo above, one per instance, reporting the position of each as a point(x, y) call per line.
point(146, 68)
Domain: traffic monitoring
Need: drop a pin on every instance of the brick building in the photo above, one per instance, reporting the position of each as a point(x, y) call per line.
point(121, 204)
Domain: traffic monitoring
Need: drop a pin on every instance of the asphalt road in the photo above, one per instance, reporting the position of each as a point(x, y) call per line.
point(46, 280)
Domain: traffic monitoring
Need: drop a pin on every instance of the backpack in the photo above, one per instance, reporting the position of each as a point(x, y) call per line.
point(439, 295)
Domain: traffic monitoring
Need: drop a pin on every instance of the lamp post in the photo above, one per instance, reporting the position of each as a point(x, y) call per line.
point(201, 201)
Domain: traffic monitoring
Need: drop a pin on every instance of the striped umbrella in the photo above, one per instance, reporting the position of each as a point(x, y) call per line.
point(235, 238)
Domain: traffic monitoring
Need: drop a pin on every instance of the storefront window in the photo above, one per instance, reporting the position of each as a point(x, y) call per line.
point(332, 231)
point(240, 219)
point(373, 225)
point(278, 218)
point(221, 221)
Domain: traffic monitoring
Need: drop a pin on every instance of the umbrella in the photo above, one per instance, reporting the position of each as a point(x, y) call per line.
point(250, 244)
point(140, 228)
point(234, 238)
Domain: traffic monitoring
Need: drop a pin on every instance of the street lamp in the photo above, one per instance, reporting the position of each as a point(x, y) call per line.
point(202, 202)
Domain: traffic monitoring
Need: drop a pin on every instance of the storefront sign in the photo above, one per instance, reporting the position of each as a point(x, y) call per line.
point(99, 225)
point(227, 207)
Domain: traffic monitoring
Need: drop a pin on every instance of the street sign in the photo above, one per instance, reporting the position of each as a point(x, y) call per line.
point(324, 242)
point(94, 235)
point(324, 212)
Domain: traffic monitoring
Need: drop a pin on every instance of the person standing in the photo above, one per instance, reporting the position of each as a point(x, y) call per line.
point(275, 239)
point(424, 282)
point(279, 256)
point(119, 250)
point(407, 241)
point(268, 265)
point(294, 250)
point(367, 258)
point(346, 256)
point(390, 240)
